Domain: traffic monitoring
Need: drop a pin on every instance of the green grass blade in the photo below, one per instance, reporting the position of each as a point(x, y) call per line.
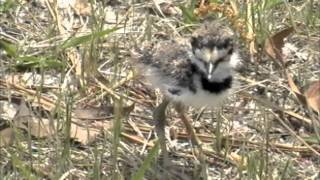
point(38, 62)
point(272, 4)
point(312, 139)
point(284, 172)
point(75, 41)
point(117, 126)
point(23, 168)
point(146, 163)
point(188, 15)
point(11, 49)
point(7, 5)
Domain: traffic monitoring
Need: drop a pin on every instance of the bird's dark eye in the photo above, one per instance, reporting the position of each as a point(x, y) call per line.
point(211, 43)
point(197, 42)
point(194, 42)
point(230, 51)
point(224, 43)
point(218, 61)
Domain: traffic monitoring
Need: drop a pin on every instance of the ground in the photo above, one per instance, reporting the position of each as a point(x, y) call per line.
point(72, 105)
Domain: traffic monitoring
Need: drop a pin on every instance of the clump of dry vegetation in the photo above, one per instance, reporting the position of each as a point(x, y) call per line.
point(72, 107)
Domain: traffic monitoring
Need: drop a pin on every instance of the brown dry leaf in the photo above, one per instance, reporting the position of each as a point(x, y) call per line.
point(241, 161)
point(44, 101)
point(92, 113)
point(89, 121)
point(84, 135)
point(6, 137)
point(41, 128)
point(168, 9)
point(312, 95)
point(295, 89)
point(204, 9)
point(102, 125)
point(96, 113)
point(82, 8)
point(38, 127)
point(84, 118)
point(273, 45)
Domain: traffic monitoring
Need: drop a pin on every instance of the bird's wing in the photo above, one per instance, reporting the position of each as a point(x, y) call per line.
point(170, 60)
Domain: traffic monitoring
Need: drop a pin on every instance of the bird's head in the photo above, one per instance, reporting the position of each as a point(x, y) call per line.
point(213, 52)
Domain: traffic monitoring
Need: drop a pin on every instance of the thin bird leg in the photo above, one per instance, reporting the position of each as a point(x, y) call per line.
point(159, 115)
point(180, 110)
point(194, 140)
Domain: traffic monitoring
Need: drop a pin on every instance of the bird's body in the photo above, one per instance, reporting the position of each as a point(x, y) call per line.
point(196, 71)
point(169, 65)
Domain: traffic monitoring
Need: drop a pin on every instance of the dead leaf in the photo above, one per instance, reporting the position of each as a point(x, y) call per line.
point(92, 113)
point(37, 127)
point(41, 128)
point(312, 95)
point(102, 125)
point(169, 9)
point(6, 137)
point(273, 45)
point(82, 8)
point(84, 135)
point(240, 160)
point(84, 128)
point(90, 121)
point(295, 89)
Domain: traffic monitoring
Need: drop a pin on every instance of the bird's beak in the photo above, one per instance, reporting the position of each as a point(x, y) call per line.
point(210, 71)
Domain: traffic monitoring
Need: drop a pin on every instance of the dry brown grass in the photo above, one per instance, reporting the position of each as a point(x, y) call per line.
point(71, 106)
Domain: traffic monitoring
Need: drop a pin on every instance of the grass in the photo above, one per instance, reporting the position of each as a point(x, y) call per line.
point(98, 114)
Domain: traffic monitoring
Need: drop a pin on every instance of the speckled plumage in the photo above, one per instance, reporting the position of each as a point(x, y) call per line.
point(168, 59)
point(180, 67)
point(196, 71)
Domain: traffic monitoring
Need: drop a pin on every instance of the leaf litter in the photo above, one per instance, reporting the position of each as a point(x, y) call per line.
point(37, 109)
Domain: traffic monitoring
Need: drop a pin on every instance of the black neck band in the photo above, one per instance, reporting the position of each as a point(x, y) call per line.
point(216, 87)
point(212, 87)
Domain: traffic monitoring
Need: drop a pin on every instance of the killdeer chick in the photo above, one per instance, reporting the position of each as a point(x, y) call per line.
point(193, 72)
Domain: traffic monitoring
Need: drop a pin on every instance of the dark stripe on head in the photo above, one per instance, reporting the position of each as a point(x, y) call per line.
point(173, 91)
point(211, 42)
point(217, 62)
